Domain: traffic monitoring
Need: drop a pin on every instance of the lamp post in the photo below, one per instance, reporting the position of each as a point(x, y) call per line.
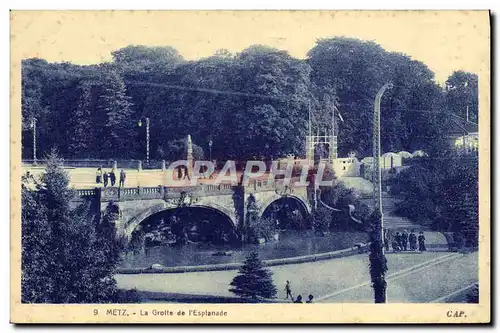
point(377, 174)
point(147, 136)
point(33, 126)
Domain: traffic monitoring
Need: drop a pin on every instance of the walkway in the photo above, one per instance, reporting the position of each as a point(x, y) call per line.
point(84, 178)
point(414, 277)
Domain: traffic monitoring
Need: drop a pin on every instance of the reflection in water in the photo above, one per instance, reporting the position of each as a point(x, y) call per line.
point(291, 244)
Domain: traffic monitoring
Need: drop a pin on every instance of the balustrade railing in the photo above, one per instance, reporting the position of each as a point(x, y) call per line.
point(138, 193)
point(86, 192)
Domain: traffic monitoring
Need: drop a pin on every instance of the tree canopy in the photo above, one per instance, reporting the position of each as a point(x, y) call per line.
point(253, 104)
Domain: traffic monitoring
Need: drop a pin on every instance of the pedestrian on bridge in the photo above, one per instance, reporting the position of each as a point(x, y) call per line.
point(112, 177)
point(105, 178)
point(123, 176)
point(98, 176)
point(421, 242)
point(185, 172)
point(404, 240)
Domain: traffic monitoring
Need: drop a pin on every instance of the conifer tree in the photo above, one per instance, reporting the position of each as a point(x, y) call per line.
point(68, 256)
point(80, 142)
point(254, 280)
point(119, 125)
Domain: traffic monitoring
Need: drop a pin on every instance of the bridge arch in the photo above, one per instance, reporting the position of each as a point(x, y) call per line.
point(289, 212)
point(131, 225)
point(266, 203)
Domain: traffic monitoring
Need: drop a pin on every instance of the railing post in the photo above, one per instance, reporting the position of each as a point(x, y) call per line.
point(162, 191)
point(163, 165)
point(115, 165)
point(139, 165)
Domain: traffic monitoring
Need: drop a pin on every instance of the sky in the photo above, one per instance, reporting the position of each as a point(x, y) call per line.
point(445, 41)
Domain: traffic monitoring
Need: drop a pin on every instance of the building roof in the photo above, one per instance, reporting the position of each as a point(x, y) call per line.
point(460, 127)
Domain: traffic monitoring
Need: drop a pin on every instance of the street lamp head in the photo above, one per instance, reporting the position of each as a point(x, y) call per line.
point(140, 123)
point(390, 85)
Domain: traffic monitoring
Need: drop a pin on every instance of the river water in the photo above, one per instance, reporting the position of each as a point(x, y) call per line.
point(290, 244)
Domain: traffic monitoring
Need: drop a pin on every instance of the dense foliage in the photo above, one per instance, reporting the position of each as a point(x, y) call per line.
point(68, 255)
point(253, 280)
point(251, 104)
point(443, 195)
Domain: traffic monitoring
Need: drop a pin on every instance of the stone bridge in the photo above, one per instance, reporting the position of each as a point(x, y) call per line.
point(138, 203)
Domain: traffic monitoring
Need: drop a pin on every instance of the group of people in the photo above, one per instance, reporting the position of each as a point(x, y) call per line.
point(288, 290)
point(105, 177)
point(405, 241)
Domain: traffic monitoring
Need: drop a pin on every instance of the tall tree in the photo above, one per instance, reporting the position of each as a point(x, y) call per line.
point(119, 126)
point(67, 255)
point(134, 59)
point(81, 142)
point(356, 70)
point(264, 71)
point(461, 91)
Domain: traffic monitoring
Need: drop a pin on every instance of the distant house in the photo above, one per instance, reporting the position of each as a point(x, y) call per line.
point(347, 166)
point(464, 135)
point(389, 163)
point(387, 160)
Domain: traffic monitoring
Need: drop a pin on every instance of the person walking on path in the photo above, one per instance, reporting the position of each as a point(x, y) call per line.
point(421, 242)
point(404, 240)
point(105, 178)
point(299, 299)
point(413, 240)
point(310, 299)
point(98, 176)
point(112, 177)
point(288, 290)
point(123, 176)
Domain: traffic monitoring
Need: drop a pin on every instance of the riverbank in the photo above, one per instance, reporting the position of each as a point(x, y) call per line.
point(291, 244)
point(361, 248)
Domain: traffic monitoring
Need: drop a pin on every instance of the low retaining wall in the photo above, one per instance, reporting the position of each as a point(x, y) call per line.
point(233, 266)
